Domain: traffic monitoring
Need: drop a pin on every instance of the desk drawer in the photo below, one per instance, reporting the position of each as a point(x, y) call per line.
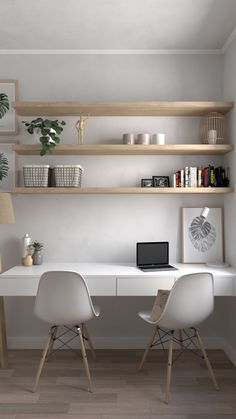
point(223, 286)
point(101, 285)
point(142, 286)
point(19, 286)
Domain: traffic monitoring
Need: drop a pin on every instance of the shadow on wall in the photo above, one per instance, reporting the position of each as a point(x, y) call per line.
point(11, 252)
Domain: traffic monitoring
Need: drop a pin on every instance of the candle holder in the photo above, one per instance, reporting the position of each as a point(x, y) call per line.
point(212, 128)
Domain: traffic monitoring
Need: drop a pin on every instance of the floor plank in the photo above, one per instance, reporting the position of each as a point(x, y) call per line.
point(120, 391)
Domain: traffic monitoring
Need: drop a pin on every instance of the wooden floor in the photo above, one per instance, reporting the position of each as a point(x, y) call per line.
point(120, 392)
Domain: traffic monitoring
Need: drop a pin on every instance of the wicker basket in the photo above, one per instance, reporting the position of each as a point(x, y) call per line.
point(36, 176)
point(68, 176)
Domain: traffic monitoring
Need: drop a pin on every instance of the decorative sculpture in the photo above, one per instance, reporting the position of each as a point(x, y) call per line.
point(80, 127)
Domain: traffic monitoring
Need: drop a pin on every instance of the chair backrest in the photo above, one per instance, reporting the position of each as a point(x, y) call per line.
point(63, 299)
point(190, 302)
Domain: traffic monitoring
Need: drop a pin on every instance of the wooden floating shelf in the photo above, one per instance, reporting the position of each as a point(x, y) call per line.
point(121, 149)
point(168, 108)
point(122, 190)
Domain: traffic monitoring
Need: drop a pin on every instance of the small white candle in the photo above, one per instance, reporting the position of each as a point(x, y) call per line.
point(143, 138)
point(212, 136)
point(128, 138)
point(158, 138)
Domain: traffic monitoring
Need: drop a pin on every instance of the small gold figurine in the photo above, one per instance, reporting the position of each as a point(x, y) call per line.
point(80, 127)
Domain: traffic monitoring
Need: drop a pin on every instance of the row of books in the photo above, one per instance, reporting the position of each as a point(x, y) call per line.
point(198, 177)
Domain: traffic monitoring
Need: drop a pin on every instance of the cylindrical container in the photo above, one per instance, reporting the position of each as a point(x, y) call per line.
point(143, 138)
point(158, 138)
point(129, 138)
point(25, 245)
point(212, 136)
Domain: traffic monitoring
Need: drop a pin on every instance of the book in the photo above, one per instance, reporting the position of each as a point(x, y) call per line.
point(206, 177)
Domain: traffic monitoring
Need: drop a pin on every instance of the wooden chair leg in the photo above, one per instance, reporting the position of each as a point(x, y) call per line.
point(41, 364)
point(85, 361)
point(147, 349)
point(50, 348)
point(85, 332)
point(169, 369)
point(206, 359)
point(3, 336)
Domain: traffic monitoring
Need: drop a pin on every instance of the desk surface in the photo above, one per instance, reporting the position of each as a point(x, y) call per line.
point(113, 269)
point(108, 279)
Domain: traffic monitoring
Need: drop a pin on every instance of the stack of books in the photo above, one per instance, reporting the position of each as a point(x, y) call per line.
point(201, 177)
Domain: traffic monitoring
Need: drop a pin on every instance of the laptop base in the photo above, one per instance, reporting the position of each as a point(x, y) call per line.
point(156, 269)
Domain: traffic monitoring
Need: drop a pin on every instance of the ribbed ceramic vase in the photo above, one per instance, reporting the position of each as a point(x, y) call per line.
point(37, 257)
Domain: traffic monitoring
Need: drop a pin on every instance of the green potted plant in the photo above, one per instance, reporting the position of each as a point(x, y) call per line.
point(4, 166)
point(47, 131)
point(37, 255)
point(4, 104)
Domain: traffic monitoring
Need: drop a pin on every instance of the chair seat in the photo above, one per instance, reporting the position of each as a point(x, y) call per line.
point(145, 315)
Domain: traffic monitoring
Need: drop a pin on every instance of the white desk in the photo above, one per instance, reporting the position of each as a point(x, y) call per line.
point(106, 279)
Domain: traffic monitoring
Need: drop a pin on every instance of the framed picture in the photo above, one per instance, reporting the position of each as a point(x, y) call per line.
point(146, 183)
point(202, 237)
point(161, 181)
point(8, 119)
point(8, 182)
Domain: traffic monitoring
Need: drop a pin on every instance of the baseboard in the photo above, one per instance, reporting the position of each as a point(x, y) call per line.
point(122, 342)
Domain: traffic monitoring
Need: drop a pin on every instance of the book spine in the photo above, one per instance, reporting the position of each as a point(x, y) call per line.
point(199, 177)
point(193, 177)
point(173, 180)
point(206, 177)
point(212, 176)
point(186, 175)
point(178, 179)
point(182, 178)
point(220, 176)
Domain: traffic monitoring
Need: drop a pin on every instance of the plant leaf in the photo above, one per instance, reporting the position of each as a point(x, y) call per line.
point(4, 104)
point(4, 166)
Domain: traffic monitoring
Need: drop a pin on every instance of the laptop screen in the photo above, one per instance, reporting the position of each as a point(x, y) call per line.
point(152, 253)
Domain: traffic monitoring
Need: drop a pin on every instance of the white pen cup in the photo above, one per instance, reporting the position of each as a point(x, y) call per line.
point(143, 138)
point(129, 138)
point(212, 136)
point(158, 138)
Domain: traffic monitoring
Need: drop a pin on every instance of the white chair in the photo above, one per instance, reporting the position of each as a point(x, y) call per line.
point(190, 302)
point(63, 299)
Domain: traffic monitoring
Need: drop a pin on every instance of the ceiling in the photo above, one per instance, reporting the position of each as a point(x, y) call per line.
point(115, 24)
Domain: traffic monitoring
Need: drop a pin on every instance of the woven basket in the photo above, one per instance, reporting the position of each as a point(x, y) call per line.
point(68, 176)
point(36, 176)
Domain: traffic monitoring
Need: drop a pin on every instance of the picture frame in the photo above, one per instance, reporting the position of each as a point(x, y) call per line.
point(146, 183)
point(202, 238)
point(8, 183)
point(8, 121)
point(161, 181)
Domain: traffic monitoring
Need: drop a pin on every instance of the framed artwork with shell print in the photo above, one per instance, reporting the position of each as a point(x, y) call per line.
point(202, 237)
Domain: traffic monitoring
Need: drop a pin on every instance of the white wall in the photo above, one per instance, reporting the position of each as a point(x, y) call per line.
point(106, 228)
point(229, 92)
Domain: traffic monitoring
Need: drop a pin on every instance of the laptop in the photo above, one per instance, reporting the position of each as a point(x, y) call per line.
point(153, 256)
